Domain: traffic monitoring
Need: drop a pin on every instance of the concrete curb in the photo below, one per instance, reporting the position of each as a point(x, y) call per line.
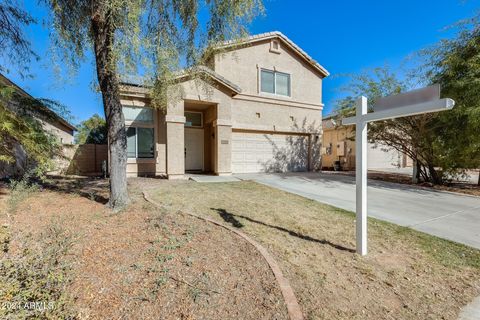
point(471, 311)
point(293, 308)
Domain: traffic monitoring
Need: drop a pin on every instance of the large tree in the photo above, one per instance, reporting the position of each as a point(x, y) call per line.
point(455, 65)
point(92, 130)
point(443, 144)
point(20, 125)
point(15, 49)
point(154, 35)
point(412, 136)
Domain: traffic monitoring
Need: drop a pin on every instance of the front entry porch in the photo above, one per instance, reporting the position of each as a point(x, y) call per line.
point(197, 142)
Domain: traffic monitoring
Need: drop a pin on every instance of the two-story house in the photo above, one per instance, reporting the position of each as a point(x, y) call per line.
point(258, 108)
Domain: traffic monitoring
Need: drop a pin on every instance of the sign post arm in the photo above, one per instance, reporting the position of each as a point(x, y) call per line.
point(361, 176)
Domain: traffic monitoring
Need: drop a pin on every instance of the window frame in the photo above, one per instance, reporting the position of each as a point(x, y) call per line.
point(136, 143)
point(146, 122)
point(275, 72)
point(201, 119)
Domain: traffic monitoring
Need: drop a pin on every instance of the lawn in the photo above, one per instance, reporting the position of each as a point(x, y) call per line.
point(407, 274)
point(62, 247)
point(63, 250)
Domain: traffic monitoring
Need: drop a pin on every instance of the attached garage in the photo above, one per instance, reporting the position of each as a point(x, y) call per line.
point(381, 157)
point(265, 152)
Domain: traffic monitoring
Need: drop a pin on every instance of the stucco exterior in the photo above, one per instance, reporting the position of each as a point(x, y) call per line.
point(50, 121)
point(228, 96)
point(23, 104)
point(339, 145)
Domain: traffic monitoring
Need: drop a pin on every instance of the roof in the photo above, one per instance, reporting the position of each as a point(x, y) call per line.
point(182, 75)
point(284, 39)
point(212, 74)
point(41, 106)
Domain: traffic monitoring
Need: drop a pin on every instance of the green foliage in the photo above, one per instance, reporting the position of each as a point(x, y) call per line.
point(22, 189)
point(92, 130)
point(443, 144)
point(455, 65)
point(15, 48)
point(39, 274)
point(159, 37)
point(410, 135)
point(18, 126)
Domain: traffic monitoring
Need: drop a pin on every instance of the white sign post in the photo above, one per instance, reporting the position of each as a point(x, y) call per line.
point(411, 103)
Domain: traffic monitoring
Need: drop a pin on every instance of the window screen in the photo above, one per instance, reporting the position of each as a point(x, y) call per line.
point(131, 143)
point(267, 81)
point(275, 82)
point(140, 142)
point(282, 83)
point(145, 142)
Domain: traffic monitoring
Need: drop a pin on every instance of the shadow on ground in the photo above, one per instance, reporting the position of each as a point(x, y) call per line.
point(95, 189)
point(232, 219)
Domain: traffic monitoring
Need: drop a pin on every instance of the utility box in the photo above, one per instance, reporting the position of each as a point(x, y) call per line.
point(341, 148)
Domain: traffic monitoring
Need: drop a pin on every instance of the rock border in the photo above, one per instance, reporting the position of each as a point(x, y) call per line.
point(293, 308)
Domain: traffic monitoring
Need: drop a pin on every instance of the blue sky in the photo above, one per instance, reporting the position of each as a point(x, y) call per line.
point(343, 36)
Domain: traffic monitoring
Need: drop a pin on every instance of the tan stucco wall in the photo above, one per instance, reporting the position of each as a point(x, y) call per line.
point(156, 166)
point(219, 115)
point(337, 137)
point(270, 116)
point(62, 132)
point(249, 111)
point(242, 67)
point(342, 140)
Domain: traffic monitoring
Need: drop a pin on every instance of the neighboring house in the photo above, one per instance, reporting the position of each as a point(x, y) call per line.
point(256, 107)
point(51, 121)
point(24, 103)
point(339, 145)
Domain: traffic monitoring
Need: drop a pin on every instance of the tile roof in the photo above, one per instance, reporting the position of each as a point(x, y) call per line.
point(285, 39)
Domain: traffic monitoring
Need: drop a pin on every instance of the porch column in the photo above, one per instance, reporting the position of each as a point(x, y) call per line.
point(175, 134)
point(223, 147)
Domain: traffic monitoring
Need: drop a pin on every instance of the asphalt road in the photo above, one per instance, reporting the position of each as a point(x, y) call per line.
point(443, 214)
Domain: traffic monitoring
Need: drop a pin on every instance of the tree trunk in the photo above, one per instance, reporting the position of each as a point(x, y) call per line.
point(478, 183)
point(416, 172)
point(436, 179)
point(103, 33)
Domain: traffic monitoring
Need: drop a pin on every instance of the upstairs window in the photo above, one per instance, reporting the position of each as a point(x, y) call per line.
point(275, 82)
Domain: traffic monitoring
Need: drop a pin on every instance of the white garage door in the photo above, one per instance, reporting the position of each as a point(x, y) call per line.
point(256, 152)
point(380, 157)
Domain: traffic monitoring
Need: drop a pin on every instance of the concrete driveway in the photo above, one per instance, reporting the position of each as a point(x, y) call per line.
point(446, 215)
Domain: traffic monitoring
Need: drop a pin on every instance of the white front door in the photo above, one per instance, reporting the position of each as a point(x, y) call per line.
point(194, 149)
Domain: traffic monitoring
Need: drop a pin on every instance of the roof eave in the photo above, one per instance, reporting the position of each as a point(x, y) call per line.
point(277, 34)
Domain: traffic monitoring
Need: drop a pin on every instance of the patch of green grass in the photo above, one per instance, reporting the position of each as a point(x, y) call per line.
point(448, 253)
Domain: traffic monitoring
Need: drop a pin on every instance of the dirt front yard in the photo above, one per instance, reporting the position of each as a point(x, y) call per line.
point(407, 274)
point(65, 256)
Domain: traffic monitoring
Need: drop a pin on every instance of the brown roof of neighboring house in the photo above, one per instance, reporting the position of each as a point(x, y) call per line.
point(41, 106)
point(284, 39)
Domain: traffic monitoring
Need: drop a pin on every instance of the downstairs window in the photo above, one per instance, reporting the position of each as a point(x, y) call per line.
point(140, 143)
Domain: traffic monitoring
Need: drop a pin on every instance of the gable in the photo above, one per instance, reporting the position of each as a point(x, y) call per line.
point(274, 39)
point(243, 65)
